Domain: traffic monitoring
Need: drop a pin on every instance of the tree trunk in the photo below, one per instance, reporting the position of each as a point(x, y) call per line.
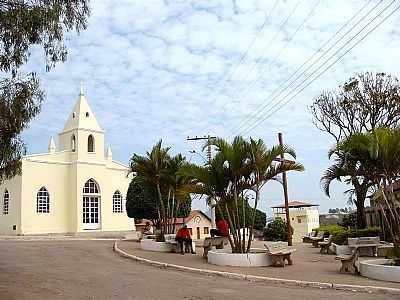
point(253, 218)
point(361, 194)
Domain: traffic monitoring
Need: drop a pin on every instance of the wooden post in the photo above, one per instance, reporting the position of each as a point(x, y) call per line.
point(285, 193)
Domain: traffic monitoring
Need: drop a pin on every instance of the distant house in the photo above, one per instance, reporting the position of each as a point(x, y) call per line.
point(304, 217)
point(331, 219)
point(199, 224)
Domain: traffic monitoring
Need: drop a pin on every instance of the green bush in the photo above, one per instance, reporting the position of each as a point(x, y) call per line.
point(275, 231)
point(340, 234)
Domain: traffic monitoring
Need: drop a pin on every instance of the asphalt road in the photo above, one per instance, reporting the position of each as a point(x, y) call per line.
point(91, 270)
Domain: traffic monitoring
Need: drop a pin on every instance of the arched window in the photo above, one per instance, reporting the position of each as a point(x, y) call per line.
point(43, 201)
point(90, 143)
point(117, 202)
point(73, 143)
point(6, 202)
point(91, 187)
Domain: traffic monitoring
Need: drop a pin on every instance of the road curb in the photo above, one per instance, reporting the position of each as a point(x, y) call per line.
point(260, 279)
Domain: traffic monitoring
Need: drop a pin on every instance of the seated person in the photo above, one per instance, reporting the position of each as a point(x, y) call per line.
point(222, 228)
point(148, 229)
point(183, 236)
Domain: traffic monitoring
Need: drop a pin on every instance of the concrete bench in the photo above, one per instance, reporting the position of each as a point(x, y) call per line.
point(324, 245)
point(219, 243)
point(365, 250)
point(279, 252)
point(348, 262)
point(170, 239)
point(318, 238)
point(307, 238)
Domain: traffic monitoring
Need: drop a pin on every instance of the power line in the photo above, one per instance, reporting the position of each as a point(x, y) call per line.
point(279, 53)
point(283, 103)
point(285, 86)
point(263, 50)
point(224, 79)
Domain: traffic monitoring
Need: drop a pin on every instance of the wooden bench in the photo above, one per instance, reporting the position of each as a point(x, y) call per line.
point(307, 238)
point(219, 242)
point(279, 252)
point(324, 245)
point(318, 238)
point(348, 262)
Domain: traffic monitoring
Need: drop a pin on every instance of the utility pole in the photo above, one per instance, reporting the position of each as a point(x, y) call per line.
point(286, 195)
point(208, 138)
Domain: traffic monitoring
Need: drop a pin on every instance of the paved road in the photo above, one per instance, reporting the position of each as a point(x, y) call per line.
point(90, 270)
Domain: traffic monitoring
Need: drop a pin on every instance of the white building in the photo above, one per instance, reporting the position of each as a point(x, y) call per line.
point(73, 189)
point(304, 217)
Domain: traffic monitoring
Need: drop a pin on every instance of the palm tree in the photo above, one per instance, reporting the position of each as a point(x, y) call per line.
point(380, 151)
point(237, 168)
point(351, 172)
point(153, 168)
point(264, 169)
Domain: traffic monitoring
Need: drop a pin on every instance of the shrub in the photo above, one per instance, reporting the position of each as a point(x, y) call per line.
point(275, 231)
point(340, 234)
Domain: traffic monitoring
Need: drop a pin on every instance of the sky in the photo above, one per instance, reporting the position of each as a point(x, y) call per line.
point(171, 69)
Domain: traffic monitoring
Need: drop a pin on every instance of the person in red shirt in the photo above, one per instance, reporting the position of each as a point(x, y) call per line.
point(183, 236)
point(222, 228)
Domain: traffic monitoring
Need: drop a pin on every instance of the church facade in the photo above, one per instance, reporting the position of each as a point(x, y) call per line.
point(75, 188)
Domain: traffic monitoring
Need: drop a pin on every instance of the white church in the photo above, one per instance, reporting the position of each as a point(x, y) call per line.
point(76, 188)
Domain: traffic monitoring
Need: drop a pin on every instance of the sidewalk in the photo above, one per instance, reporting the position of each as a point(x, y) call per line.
point(107, 235)
point(309, 265)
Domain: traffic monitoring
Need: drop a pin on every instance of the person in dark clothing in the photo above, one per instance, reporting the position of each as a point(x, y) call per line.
point(183, 236)
point(222, 229)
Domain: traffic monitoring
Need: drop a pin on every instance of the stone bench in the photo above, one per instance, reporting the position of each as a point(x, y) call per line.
point(324, 245)
point(279, 252)
point(219, 243)
point(348, 262)
point(318, 238)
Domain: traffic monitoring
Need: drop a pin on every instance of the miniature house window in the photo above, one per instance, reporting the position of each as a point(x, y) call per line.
point(91, 187)
point(73, 143)
point(87, 114)
point(117, 202)
point(73, 115)
point(6, 202)
point(43, 201)
point(90, 143)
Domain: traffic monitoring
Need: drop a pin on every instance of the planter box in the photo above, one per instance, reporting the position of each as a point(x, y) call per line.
point(376, 269)
point(223, 257)
point(340, 249)
point(152, 245)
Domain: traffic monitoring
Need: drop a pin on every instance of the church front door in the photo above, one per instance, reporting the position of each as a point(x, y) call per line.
point(91, 212)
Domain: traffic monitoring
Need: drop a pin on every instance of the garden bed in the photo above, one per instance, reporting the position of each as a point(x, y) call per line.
point(381, 269)
point(256, 258)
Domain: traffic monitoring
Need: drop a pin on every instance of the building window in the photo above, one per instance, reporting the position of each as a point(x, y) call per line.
point(91, 187)
point(43, 201)
point(87, 115)
point(73, 143)
point(117, 202)
point(90, 143)
point(298, 220)
point(205, 230)
point(6, 202)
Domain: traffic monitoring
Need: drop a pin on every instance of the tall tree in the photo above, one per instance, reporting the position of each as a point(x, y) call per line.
point(231, 174)
point(24, 24)
point(380, 151)
point(363, 103)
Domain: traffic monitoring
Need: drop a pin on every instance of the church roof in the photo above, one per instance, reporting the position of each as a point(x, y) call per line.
point(295, 204)
point(82, 116)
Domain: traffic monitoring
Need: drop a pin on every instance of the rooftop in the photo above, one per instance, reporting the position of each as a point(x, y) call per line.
point(295, 204)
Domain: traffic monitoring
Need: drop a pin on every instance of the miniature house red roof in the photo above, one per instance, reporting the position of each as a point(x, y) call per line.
point(295, 204)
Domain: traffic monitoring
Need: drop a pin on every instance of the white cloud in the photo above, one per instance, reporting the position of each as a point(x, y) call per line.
point(153, 69)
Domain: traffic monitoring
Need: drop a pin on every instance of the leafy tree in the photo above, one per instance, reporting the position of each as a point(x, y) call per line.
point(365, 102)
point(276, 231)
point(24, 24)
point(142, 202)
